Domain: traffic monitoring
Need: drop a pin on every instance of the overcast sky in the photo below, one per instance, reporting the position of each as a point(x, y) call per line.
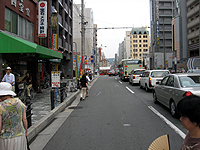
point(117, 13)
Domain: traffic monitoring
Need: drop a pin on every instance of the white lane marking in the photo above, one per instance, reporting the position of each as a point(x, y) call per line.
point(115, 78)
point(99, 93)
point(177, 130)
point(130, 90)
point(120, 82)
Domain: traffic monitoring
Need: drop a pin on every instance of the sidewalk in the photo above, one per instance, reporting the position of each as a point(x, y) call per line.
point(42, 104)
point(42, 113)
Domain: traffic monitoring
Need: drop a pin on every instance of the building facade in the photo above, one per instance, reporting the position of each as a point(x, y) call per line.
point(161, 13)
point(20, 46)
point(193, 25)
point(89, 33)
point(139, 43)
point(62, 12)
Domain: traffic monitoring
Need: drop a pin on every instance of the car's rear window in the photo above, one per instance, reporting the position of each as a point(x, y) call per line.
point(138, 72)
point(159, 73)
point(190, 81)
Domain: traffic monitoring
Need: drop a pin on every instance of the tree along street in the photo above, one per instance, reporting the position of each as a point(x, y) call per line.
point(115, 116)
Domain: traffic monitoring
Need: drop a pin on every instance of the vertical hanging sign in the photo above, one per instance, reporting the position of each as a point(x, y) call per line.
point(42, 19)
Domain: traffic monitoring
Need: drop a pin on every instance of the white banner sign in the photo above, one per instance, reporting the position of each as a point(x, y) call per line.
point(55, 78)
point(42, 19)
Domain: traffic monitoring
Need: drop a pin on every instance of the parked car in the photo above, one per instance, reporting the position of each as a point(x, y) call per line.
point(111, 73)
point(174, 87)
point(193, 71)
point(150, 77)
point(134, 78)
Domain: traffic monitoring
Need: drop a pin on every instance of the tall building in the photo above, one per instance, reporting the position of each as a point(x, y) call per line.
point(161, 12)
point(127, 39)
point(63, 9)
point(89, 33)
point(121, 52)
point(193, 28)
point(179, 35)
point(139, 42)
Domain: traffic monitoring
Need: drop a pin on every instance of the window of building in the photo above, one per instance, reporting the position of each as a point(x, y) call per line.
point(140, 45)
point(7, 20)
point(135, 50)
point(18, 25)
point(140, 36)
point(140, 50)
point(140, 41)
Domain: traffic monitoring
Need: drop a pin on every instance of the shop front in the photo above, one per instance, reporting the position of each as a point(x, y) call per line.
point(23, 56)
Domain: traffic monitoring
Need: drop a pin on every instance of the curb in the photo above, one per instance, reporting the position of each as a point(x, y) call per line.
point(47, 119)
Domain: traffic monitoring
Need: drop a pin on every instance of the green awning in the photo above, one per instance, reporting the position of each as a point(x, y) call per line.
point(11, 44)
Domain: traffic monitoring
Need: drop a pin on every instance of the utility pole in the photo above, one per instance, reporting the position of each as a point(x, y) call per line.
point(164, 44)
point(83, 34)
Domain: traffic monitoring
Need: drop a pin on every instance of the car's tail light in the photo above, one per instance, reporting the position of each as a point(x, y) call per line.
point(133, 76)
point(149, 81)
point(188, 93)
point(122, 72)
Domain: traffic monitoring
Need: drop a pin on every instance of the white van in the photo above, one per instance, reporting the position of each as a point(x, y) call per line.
point(149, 78)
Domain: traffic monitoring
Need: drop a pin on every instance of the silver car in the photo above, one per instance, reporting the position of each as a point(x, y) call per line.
point(174, 87)
point(134, 78)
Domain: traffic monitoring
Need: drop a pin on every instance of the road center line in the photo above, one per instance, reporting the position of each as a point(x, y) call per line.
point(129, 90)
point(120, 82)
point(177, 130)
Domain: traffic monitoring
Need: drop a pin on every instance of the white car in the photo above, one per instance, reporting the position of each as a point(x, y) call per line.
point(134, 78)
point(149, 78)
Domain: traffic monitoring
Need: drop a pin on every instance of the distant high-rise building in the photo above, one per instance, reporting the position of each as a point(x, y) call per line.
point(139, 42)
point(161, 13)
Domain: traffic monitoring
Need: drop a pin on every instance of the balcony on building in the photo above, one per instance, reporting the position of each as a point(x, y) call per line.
point(193, 35)
point(193, 11)
point(193, 23)
point(190, 2)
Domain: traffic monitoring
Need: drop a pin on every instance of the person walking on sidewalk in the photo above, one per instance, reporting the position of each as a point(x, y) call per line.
point(84, 87)
point(88, 80)
point(13, 123)
point(9, 78)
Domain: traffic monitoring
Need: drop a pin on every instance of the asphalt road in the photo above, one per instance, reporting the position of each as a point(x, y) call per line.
point(116, 116)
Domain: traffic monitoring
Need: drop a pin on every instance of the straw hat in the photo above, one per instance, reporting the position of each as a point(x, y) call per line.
point(6, 89)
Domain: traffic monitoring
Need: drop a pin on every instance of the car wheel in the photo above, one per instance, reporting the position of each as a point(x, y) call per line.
point(173, 109)
point(155, 100)
point(146, 88)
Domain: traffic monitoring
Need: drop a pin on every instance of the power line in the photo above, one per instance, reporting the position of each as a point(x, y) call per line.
point(117, 28)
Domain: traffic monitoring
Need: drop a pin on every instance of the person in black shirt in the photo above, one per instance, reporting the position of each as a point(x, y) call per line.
point(84, 87)
point(28, 80)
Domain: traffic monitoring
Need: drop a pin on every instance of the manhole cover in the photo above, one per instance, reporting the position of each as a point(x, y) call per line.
point(75, 107)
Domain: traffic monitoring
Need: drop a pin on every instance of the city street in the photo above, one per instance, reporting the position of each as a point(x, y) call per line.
point(116, 116)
